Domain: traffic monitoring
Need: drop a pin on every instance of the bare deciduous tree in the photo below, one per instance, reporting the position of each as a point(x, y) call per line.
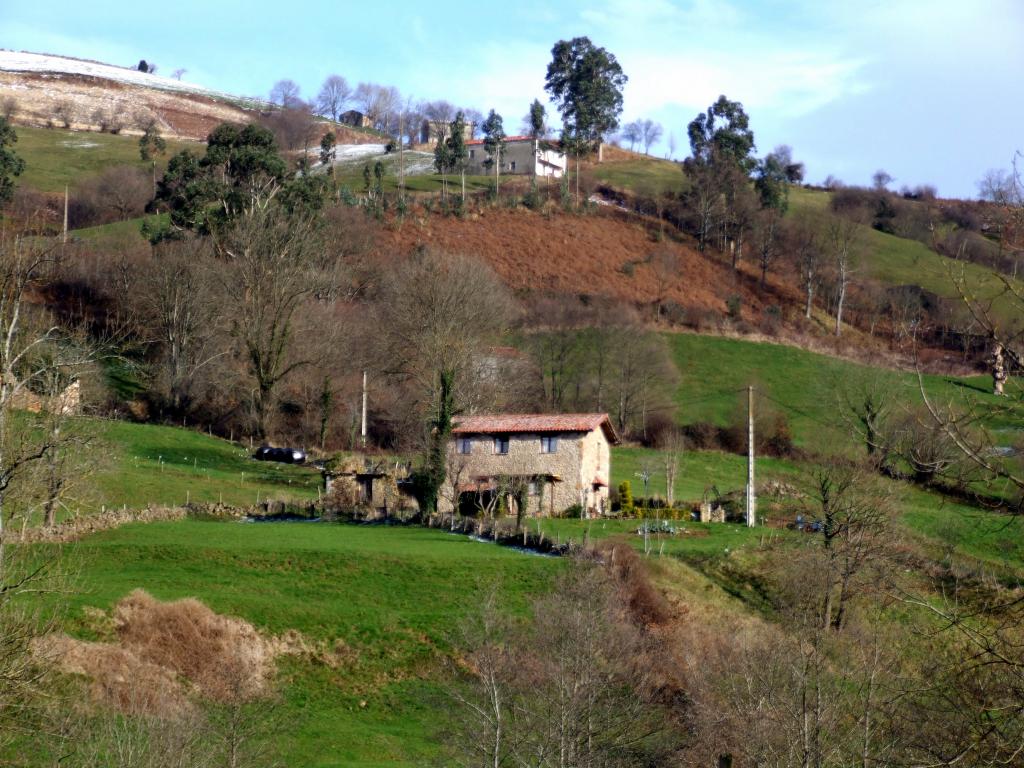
point(65, 113)
point(333, 96)
point(804, 246)
point(276, 264)
point(439, 116)
point(439, 315)
point(576, 688)
point(285, 93)
point(665, 264)
point(766, 233)
point(843, 234)
point(179, 307)
point(650, 134)
point(380, 103)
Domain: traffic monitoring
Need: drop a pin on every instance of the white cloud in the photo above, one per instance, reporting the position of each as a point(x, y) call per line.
point(790, 83)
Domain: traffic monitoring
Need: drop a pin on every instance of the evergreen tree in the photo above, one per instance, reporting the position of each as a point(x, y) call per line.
point(772, 184)
point(586, 83)
point(538, 119)
point(241, 172)
point(327, 151)
point(458, 153)
point(151, 143)
point(494, 143)
point(442, 163)
point(11, 166)
point(723, 133)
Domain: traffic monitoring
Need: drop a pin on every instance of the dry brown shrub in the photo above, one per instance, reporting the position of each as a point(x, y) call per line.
point(164, 652)
point(647, 606)
point(225, 657)
point(332, 654)
point(118, 677)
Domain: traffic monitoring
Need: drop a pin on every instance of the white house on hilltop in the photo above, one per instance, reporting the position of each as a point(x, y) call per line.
point(523, 155)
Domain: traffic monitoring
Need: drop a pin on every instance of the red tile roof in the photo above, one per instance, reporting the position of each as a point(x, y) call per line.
point(477, 142)
point(508, 423)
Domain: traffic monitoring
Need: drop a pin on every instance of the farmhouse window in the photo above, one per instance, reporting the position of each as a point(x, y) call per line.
point(533, 488)
point(549, 445)
point(464, 445)
point(512, 165)
point(472, 154)
point(501, 445)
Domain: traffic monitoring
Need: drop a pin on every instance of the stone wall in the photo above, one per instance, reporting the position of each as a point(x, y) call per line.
point(596, 463)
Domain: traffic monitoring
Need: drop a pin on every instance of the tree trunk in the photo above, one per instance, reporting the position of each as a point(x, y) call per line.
point(577, 178)
point(839, 305)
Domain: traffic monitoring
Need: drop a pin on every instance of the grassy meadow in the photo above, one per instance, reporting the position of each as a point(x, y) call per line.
point(135, 465)
point(55, 158)
point(806, 387)
point(390, 597)
point(643, 175)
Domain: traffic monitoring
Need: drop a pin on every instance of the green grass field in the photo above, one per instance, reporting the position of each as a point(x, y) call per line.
point(54, 157)
point(804, 386)
point(698, 471)
point(644, 176)
point(135, 465)
point(393, 596)
point(893, 260)
point(993, 540)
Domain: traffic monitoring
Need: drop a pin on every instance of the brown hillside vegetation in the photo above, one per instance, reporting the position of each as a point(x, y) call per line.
point(601, 254)
point(181, 115)
point(58, 99)
point(158, 644)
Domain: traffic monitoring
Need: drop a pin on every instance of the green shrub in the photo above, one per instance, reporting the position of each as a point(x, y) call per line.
point(532, 199)
point(733, 304)
point(564, 194)
point(575, 512)
point(626, 498)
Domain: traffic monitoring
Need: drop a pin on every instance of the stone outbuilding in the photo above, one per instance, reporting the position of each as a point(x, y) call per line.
point(67, 402)
point(432, 130)
point(376, 488)
point(547, 463)
point(355, 118)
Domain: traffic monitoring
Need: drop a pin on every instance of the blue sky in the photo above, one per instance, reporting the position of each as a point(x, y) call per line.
point(927, 89)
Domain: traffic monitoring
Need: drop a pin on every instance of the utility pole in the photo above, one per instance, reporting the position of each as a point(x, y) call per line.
point(65, 240)
point(751, 493)
point(362, 433)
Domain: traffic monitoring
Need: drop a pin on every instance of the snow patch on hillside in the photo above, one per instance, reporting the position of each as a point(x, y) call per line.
point(353, 156)
point(39, 63)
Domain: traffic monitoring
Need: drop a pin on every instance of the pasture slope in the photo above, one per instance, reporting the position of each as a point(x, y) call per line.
point(391, 598)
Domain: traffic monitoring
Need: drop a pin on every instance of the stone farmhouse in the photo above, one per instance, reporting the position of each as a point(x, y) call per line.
point(523, 155)
point(546, 462)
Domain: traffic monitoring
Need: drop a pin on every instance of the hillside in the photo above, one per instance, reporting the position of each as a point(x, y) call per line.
point(47, 91)
point(604, 254)
point(56, 157)
point(58, 91)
